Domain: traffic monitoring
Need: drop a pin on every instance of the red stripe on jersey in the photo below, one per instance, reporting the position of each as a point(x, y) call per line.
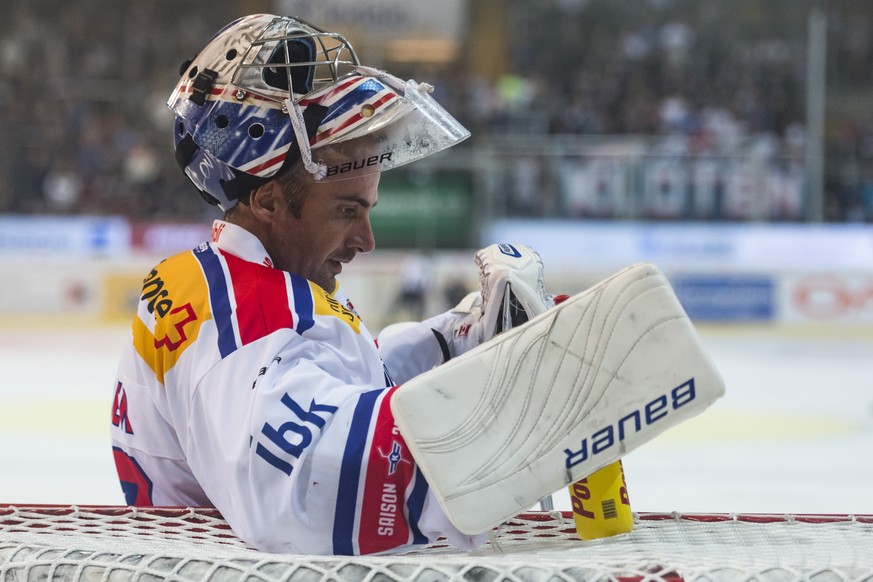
point(390, 469)
point(135, 483)
point(261, 296)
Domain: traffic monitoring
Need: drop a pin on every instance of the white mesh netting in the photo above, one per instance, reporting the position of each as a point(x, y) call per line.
point(120, 543)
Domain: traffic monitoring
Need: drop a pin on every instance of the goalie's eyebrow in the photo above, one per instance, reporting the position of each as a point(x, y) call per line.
point(360, 200)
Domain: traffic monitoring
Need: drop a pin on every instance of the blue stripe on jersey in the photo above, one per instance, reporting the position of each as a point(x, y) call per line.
point(303, 306)
point(350, 475)
point(415, 504)
point(219, 299)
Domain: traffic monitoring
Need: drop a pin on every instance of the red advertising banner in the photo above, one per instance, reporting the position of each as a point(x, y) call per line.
point(166, 238)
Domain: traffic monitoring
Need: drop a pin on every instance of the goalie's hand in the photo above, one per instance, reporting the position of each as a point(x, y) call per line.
point(511, 291)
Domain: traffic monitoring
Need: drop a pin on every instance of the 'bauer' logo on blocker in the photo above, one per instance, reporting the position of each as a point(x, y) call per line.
point(651, 413)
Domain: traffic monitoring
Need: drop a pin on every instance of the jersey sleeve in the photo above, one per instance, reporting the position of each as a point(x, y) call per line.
point(300, 458)
point(412, 348)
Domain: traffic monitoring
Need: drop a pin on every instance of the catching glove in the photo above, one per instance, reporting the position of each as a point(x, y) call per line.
point(511, 291)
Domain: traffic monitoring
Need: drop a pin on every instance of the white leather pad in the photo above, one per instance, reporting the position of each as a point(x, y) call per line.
point(550, 402)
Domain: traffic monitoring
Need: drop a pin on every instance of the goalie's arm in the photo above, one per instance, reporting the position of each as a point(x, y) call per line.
point(411, 348)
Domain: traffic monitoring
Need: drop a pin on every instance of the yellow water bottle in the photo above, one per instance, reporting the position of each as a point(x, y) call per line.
point(601, 506)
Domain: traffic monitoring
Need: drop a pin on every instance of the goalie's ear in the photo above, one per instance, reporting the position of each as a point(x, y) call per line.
point(265, 201)
point(545, 404)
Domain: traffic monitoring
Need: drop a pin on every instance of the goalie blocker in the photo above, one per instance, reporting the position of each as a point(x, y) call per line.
point(551, 401)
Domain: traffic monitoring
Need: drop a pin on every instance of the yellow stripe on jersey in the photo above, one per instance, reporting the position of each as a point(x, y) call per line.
point(325, 304)
point(179, 303)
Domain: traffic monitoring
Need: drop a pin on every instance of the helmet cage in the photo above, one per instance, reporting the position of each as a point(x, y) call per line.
point(291, 59)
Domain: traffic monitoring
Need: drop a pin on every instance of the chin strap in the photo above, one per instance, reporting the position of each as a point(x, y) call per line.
point(317, 169)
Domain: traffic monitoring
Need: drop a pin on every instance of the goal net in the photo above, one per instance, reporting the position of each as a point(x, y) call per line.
point(123, 543)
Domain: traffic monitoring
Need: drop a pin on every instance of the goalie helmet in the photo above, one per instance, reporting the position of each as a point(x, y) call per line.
point(269, 90)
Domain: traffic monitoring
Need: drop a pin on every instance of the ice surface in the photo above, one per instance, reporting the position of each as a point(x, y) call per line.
point(794, 434)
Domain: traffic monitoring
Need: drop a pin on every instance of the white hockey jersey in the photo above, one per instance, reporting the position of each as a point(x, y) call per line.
point(253, 390)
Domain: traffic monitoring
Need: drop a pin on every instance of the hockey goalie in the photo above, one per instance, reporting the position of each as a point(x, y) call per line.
point(252, 385)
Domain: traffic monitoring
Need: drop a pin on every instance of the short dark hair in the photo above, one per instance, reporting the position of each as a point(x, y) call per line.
point(294, 184)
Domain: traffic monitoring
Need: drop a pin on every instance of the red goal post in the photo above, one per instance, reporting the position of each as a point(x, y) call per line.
point(43, 542)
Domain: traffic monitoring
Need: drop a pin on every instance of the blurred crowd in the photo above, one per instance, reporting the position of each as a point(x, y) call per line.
point(82, 103)
point(719, 87)
point(83, 87)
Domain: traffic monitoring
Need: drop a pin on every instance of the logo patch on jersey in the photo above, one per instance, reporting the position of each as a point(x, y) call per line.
point(290, 438)
point(394, 457)
point(327, 305)
point(174, 335)
point(155, 296)
point(119, 410)
point(217, 228)
point(173, 306)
